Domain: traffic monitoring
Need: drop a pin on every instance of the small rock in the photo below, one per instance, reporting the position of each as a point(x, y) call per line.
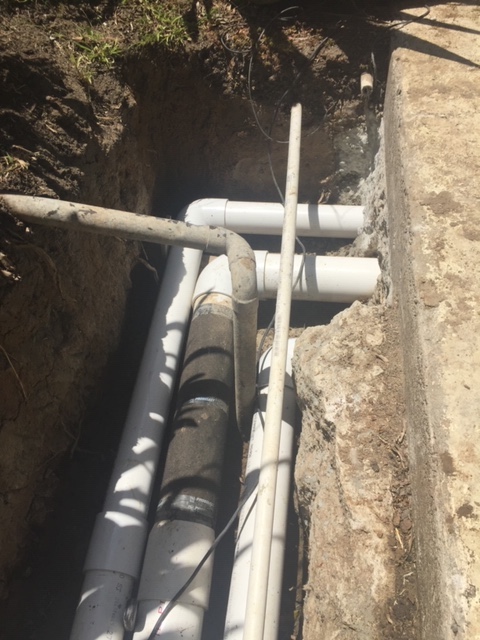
point(406, 525)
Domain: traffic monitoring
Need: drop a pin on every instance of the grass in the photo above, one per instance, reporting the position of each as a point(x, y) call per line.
point(92, 51)
point(150, 23)
point(9, 163)
point(133, 24)
point(160, 23)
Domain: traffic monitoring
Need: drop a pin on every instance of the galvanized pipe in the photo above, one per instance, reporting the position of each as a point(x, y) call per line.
point(215, 240)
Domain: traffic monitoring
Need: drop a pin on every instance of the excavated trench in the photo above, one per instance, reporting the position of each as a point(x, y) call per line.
point(181, 140)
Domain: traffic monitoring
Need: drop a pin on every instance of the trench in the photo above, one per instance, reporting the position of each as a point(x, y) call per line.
point(191, 141)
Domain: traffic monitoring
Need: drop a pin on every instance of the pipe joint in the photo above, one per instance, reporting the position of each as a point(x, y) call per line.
point(117, 543)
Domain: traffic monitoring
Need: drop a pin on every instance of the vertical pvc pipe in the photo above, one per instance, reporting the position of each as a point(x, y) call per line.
point(237, 600)
point(262, 542)
point(113, 562)
point(184, 526)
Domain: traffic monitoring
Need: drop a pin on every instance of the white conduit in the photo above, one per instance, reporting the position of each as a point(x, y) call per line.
point(262, 540)
point(237, 600)
point(313, 220)
point(323, 278)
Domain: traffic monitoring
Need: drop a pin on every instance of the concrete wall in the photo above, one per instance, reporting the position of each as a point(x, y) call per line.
point(432, 125)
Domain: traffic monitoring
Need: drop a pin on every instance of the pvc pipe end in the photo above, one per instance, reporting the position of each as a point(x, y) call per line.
point(366, 84)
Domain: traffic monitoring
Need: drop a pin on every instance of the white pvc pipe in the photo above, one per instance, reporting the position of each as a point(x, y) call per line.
point(322, 278)
point(313, 220)
point(174, 551)
point(128, 497)
point(237, 600)
point(262, 541)
point(113, 562)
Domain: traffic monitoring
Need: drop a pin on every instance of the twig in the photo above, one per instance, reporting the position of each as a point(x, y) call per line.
point(75, 438)
point(399, 538)
point(393, 449)
point(51, 267)
point(148, 266)
point(14, 372)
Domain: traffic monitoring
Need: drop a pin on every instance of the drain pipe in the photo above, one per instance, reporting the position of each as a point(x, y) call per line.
point(184, 526)
point(113, 562)
point(316, 278)
point(262, 540)
point(237, 599)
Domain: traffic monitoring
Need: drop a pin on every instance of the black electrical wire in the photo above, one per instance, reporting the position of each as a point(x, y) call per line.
point(298, 75)
point(278, 16)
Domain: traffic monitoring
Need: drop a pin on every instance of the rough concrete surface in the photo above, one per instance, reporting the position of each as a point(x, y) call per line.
point(345, 475)
point(373, 238)
point(432, 123)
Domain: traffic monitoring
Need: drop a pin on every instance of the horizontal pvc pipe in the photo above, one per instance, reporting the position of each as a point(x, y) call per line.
point(315, 278)
point(323, 278)
point(267, 483)
point(266, 218)
point(235, 618)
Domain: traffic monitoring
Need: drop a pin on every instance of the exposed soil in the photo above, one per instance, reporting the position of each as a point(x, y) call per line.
point(149, 128)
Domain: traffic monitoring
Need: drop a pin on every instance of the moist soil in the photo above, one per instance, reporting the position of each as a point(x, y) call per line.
point(114, 104)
